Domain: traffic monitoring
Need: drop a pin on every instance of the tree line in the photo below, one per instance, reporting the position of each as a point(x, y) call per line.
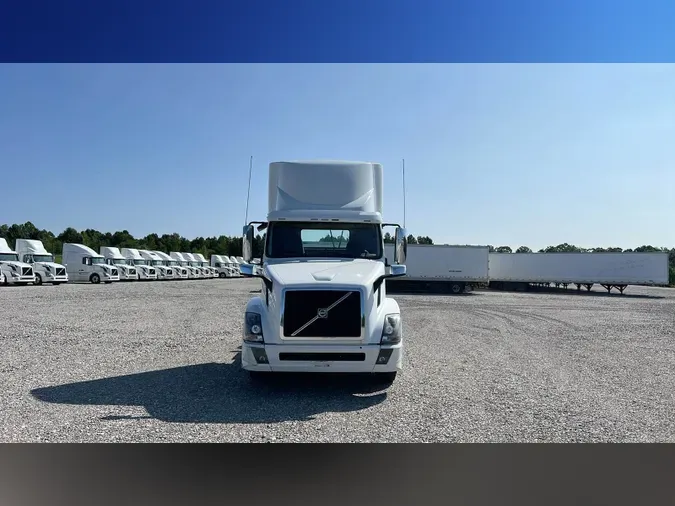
point(222, 245)
point(232, 245)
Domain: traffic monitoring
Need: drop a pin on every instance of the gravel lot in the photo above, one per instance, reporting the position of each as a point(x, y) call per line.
point(158, 361)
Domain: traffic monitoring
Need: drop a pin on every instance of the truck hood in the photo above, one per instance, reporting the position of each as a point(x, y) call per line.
point(52, 265)
point(356, 272)
point(15, 263)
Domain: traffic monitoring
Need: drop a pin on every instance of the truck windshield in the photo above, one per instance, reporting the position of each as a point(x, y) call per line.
point(171, 262)
point(43, 258)
point(120, 261)
point(140, 261)
point(9, 257)
point(157, 262)
point(97, 260)
point(194, 264)
point(338, 240)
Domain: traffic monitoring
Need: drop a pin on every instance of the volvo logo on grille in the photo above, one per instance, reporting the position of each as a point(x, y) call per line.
point(322, 313)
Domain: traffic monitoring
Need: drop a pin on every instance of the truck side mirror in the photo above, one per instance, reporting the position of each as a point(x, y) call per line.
point(400, 246)
point(247, 247)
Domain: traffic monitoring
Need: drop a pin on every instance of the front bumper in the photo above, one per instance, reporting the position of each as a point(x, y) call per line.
point(20, 279)
point(49, 278)
point(300, 363)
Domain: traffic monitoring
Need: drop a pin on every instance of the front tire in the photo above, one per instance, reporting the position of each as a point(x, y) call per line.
point(38, 280)
point(95, 279)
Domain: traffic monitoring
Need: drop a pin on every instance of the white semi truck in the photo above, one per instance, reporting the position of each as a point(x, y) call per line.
point(113, 256)
point(235, 266)
point(193, 272)
point(521, 271)
point(442, 267)
point(33, 252)
point(84, 265)
point(146, 272)
point(179, 272)
point(164, 273)
point(223, 266)
point(204, 264)
point(323, 308)
point(193, 262)
point(13, 270)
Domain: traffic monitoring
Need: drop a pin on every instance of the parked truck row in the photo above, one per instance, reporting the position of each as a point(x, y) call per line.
point(443, 268)
point(31, 263)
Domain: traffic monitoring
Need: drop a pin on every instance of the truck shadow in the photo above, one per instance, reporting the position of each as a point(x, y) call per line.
point(220, 393)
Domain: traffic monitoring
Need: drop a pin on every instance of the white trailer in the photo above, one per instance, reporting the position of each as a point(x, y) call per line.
point(14, 272)
point(114, 257)
point(179, 271)
point(146, 272)
point(164, 272)
point(323, 308)
point(33, 252)
point(84, 265)
point(442, 267)
point(204, 264)
point(193, 272)
point(518, 271)
point(193, 262)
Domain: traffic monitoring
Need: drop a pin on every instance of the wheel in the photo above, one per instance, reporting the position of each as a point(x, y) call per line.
point(221, 275)
point(38, 279)
point(385, 378)
point(95, 278)
point(457, 287)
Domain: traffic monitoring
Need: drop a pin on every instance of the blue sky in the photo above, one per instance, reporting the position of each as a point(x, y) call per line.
point(501, 154)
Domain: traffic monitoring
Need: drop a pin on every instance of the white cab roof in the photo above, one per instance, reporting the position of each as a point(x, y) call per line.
point(328, 188)
point(111, 252)
point(132, 253)
point(4, 247)
point(31, 246)
point(163, 255)
point(80, 249)
point(149, 255)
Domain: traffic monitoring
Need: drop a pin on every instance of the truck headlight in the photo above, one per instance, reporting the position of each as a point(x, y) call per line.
point(253, 328)
point(391, 330)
